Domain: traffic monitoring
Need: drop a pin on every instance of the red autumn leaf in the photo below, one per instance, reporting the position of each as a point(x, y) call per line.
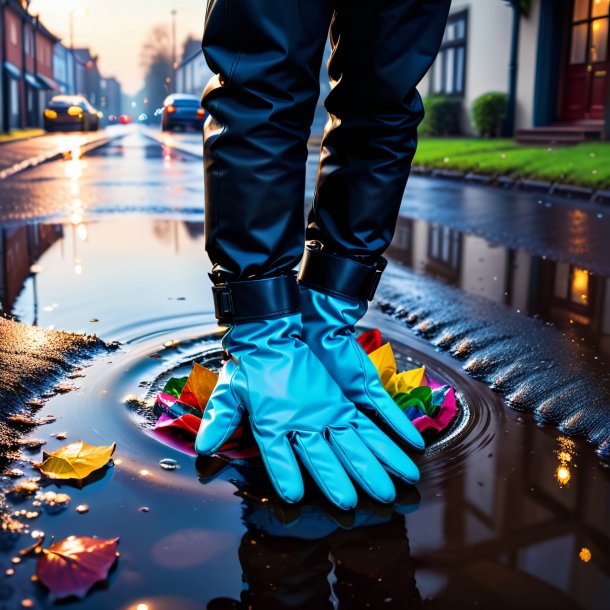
point(370, 340)
point(73, 565)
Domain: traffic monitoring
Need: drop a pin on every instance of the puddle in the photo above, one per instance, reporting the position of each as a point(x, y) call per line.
point(574, 299)
point(508, 514)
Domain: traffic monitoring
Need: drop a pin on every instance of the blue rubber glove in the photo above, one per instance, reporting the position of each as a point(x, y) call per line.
point(296, 408)
point(328, 329)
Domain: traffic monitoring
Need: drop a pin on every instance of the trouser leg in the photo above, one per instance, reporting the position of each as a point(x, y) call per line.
point(381, 50)
point(266, 55)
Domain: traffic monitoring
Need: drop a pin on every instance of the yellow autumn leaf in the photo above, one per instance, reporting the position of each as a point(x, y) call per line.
point(75, 461)
point(200, 384)
point(395, 383)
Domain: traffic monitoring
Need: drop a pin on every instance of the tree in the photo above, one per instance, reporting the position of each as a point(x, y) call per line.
point(156, 59)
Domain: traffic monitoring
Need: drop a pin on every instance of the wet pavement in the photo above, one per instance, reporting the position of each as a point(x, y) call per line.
point(510, 513)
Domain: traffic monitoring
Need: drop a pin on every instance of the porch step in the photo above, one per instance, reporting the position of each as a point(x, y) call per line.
point(561, 134)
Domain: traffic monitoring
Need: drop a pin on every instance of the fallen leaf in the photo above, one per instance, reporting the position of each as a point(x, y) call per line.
point(75, 461)
point(73, 565)
point(199, 387)
point(394, 382)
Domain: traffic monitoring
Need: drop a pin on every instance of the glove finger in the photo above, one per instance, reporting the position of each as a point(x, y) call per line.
point(221, 417)
point(282, 467)
point(387, 451)
point(326, 469)
point(361, 464)
point(393, 416)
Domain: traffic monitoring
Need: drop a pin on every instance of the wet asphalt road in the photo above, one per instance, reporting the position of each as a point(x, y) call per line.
point(121, 254)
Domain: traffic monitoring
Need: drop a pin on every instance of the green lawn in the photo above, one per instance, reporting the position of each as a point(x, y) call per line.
point(583, 165)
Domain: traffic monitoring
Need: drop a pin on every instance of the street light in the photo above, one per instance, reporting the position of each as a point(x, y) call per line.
point(174, 66)
point(81, 12)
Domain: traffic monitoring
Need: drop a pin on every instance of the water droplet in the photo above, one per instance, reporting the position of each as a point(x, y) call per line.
point(82, 509)
point(144, 509)
point(169, 464)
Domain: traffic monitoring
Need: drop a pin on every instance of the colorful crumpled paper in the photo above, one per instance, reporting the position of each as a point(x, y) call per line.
point(426, 402)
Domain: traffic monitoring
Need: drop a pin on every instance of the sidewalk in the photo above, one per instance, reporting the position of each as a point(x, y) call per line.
point(19, 155)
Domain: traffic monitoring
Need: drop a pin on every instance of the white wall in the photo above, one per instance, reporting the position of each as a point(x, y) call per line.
point(526, 76)
point(483, 268)
point(488, 54)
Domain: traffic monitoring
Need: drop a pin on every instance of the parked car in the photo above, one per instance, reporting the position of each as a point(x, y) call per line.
point(65, 112)
point(182, 110)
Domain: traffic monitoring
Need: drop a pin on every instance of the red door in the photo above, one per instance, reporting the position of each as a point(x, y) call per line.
point(586, 72)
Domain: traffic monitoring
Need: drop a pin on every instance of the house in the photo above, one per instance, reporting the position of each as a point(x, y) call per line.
point(13, 89)
point(63, 69)
point(40, 84)
point(111, 102)
point(27, 66)
point(556, 50)
point(192, 73)
point(88, 78)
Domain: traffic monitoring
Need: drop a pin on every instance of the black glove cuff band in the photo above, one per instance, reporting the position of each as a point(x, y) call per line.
point(261, 299)
point(338, 275)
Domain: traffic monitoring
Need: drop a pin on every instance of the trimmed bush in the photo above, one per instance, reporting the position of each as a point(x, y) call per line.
point(442, 116)
point(488, 114)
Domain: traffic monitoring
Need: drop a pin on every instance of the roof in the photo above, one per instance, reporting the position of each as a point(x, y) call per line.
point(45, 31)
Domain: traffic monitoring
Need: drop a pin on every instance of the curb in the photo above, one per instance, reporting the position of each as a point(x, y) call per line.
point(54, 155)
point(24, 139)
point(563, 189)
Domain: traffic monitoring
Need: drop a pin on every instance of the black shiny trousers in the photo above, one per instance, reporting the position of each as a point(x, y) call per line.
point(267, 56)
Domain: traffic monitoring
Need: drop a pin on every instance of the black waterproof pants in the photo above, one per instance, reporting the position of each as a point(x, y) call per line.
point(267, 56)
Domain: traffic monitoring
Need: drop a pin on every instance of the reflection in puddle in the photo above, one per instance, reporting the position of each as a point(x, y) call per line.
point(574, 299)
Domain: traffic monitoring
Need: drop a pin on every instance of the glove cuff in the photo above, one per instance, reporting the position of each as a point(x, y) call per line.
point(337, 275)
point(261, 299)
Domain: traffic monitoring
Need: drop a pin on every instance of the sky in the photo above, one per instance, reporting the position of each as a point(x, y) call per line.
point(115, 29)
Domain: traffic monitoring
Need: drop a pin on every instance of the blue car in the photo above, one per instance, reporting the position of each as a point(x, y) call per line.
point(182, 110)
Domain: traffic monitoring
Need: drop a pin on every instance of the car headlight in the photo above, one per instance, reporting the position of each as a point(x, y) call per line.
point(50, 114)
point(75, 111)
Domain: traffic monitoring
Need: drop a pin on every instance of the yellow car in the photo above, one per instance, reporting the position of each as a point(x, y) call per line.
point(69, 112)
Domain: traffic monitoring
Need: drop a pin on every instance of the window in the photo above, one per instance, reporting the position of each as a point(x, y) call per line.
point(14, 98)
point(449, 69)
point(13, 32)
point(589, 36)
point(444, 246)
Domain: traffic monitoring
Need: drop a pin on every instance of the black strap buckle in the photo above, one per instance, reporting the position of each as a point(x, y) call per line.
point(338, 275)
point(260, 299)
point(223, 301)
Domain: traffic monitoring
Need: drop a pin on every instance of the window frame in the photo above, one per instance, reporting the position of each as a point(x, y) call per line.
point(441, 64)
